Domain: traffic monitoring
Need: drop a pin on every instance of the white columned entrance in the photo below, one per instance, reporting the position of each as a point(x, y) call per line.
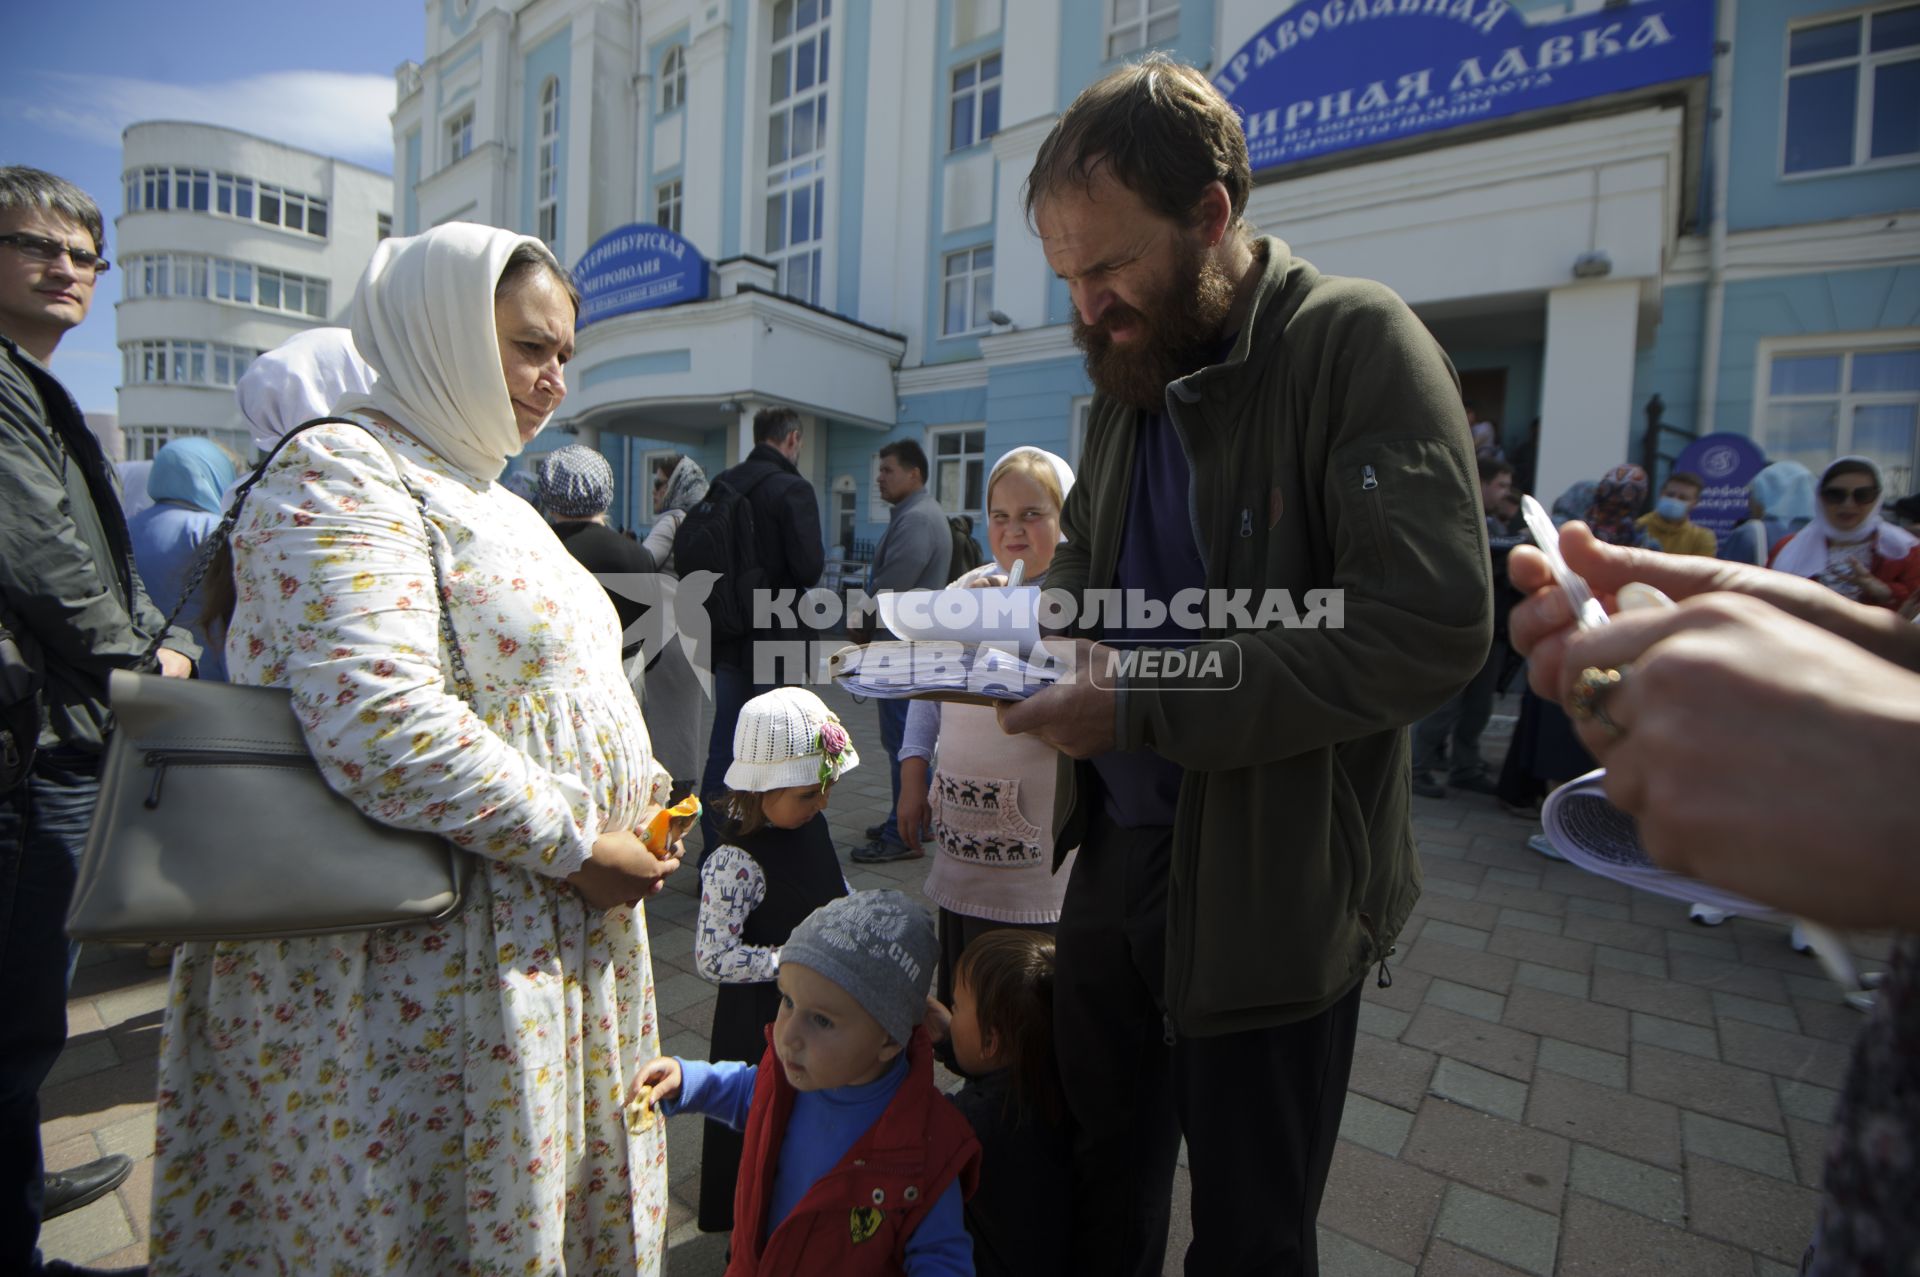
point(1586, 392)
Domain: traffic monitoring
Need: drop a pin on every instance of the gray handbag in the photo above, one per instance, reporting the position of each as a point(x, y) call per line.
point(214, 822)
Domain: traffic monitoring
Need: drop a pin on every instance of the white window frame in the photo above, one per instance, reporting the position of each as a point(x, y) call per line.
point(1846, 401)
point(673, 79)
point(546, 188)
point(968, 276)
point(1129, 23)
point(158, 188)
point(810, 173)
point(383, 226)
point(974, 96)
point(1865, 63)
point(457, 135)
point(966, 456)
point(668, 204)
point(155, 361)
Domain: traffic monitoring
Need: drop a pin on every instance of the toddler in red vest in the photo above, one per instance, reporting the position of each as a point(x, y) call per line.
point(854, 1163)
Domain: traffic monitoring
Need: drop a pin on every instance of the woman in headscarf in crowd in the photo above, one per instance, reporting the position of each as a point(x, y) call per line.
point(442, 1098)
point(187, 481)
point(1618, 500)
point(1779, 504)
point(300, 379)
point(1848, 546)
point(673, 688)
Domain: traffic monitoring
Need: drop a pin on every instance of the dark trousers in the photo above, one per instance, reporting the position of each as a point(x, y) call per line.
point(1260, 1109)
point(1451, 734)
point(733, 687)
point(893, 732)
point(43, 824)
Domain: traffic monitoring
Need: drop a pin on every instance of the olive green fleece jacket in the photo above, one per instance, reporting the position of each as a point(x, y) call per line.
point(1329, 450)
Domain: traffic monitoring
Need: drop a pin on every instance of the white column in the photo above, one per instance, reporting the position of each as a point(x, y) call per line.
point(706, 144)
point(1586, 394)
point(1020, 271)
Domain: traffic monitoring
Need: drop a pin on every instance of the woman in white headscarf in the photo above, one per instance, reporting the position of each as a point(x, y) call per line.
point(434, 1099)
point(300, 379)
point(1848, 547)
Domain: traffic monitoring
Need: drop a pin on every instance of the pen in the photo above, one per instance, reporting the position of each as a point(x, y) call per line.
point(1019, 571)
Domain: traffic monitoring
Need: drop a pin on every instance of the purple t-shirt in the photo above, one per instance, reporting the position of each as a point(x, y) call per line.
point(1158, 558)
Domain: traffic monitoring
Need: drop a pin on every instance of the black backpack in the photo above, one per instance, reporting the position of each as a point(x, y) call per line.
point(717, 536)
point(966, 550)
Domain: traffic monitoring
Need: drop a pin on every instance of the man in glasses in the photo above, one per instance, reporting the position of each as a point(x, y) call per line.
point(74, 611)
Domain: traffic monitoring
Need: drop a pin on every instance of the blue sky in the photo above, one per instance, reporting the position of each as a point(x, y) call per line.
point(73, 75)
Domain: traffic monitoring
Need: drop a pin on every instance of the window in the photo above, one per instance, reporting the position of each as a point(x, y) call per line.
point(546, 195)
point(959, 472)
point(1853, 91)
point(223, 279)
point(460, 136)
point(968, 294)
point(673, 79)
point(383, 225)
point(797, 145)
point(666, 205)
point(975, 113)
point(185, 190)
point(1133, 25)
point(1077, 436)
point(1826, 403)
point(186, 363)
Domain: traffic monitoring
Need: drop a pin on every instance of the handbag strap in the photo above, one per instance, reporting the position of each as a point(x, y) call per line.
point(463, 681)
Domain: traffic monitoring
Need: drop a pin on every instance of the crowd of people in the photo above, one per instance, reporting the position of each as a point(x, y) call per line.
point(1148, 894)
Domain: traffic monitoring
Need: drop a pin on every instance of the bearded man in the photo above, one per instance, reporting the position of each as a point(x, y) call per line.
point(1246, 852)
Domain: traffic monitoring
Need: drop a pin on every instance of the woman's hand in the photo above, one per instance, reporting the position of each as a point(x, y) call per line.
point(1872, 588)
point(621, 871)
point(992, 580)
point(1763, 754)
point(938, 1021)
point(911, 816)
point(657, 1083)
point(1541, 624)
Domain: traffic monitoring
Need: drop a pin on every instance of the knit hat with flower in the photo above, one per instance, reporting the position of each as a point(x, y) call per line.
point(788, 737)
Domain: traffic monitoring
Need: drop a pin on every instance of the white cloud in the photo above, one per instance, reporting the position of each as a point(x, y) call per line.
point(333, 112)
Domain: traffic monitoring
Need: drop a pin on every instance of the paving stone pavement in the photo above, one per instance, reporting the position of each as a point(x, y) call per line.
point(1562, 1077)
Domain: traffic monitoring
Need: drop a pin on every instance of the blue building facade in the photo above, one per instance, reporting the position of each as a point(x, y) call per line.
point(1712, 203)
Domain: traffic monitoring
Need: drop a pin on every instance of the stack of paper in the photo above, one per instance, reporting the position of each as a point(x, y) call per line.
point(970, 673)
point(1598, 837)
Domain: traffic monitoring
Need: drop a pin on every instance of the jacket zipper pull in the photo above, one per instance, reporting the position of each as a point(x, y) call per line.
point(1166, 1028)
point(1368, 481)
point(159, 766)
point(1246, 522)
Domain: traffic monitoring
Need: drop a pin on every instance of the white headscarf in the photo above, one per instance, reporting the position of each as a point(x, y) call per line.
point(1062, 472)
point(1806, 555)
point(423, 318)
point(298, 380)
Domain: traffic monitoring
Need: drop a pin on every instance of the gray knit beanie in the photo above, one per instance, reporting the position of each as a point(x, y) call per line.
point(877, 945)
point(575, 482)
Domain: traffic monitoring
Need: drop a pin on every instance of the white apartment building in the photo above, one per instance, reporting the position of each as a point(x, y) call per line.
point(228, 244)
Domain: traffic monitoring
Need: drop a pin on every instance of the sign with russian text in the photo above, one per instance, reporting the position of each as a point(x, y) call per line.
point(638, 267)
point(1726, 464)
point(1334, 75)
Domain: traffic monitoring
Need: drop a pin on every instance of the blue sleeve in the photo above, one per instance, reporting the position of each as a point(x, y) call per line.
point(722, 1091)
point(941, 1246)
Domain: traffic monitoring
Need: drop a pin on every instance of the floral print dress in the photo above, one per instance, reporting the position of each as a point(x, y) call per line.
point(440, 1099)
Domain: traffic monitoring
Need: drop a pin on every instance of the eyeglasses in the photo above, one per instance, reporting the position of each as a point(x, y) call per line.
point(1858, 496)
point(42, 249)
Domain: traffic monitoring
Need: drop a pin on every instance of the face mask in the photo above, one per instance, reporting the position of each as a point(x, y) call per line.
point(1672, 509)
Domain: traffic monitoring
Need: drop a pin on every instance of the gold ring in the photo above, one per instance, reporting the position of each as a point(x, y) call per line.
point(1587, 702)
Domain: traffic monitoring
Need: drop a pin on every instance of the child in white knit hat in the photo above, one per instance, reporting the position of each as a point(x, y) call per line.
point(855, 1165)
point(776, 866)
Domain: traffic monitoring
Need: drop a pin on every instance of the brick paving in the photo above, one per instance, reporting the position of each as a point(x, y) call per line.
point(1562, 1078)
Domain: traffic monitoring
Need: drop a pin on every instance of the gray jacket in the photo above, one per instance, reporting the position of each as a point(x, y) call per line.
point(66, 564)
point(914, 553)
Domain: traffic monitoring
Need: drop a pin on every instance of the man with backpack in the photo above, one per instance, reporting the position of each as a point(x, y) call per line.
point(916, 553)
point(759, 528)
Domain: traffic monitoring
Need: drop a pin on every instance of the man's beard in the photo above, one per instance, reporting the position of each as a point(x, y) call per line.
point(1179, 329)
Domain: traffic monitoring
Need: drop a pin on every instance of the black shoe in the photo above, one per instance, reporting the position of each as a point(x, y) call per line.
point(1481, 784)
point(61, 1268)
point(1427, 787)
point(882, 850)
point(70, 1190)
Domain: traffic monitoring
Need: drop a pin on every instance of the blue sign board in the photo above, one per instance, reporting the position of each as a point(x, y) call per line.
point(1332, 75)
point(638, 267)
point(1726, 464)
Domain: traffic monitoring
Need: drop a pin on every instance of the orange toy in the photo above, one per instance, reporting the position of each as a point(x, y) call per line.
point(670, 824)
